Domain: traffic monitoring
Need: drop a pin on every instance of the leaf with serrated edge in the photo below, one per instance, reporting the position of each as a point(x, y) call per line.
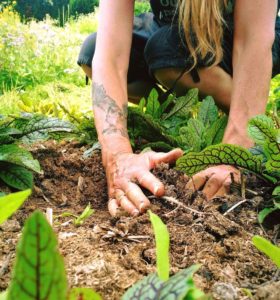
point(39, 269)
point(179, 285)
point(259, 128)
point(183, 104)
point(162, 246)
point(265, 246)
point(208, 112)
point(219, 154)
point(19, 156)
point(83, 294)
point(16, 176)
point(10, 203)
point(146, 289)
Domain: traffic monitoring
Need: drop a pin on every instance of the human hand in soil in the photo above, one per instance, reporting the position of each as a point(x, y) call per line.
point(126, 172)
point(214, 181)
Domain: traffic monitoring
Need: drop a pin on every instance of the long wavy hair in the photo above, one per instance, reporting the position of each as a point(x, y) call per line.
point(202, 22)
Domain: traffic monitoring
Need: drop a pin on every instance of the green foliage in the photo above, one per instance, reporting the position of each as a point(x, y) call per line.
point(265, 246)
point(79, 220)
point(83, 294)
point(10, 203)
point(219, 154)
point(180, 286)
point(174, 123)
point(141, 7)
point(82, 6)
point(39, 268)
point(162, 246)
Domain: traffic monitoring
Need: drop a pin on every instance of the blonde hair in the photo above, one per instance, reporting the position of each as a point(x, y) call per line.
point(202, 21)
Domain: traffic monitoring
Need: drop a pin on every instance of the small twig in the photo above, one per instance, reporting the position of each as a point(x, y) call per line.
point(49, 215)
point(175, 201)
point(243, 184)
point(234, 206)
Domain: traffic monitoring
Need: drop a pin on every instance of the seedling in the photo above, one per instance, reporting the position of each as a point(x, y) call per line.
point(79, 220)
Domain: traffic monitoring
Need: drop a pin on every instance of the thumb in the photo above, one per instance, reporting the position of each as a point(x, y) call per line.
point(171, 156)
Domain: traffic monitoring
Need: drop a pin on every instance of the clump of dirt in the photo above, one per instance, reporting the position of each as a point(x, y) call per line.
point(110, 254)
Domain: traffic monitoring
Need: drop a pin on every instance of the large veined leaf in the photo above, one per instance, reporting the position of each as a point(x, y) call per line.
point(144, 125)
point(19, 156)
point(208, 112)
point(219, 154)
point(39, 268)
point(183, 104)
point(83, 294)
point(38, 127)
point(10, 203)
point(146, 289)
point(153, 104)
point(215, 133)
point(178, 287)
point(260, 128)
point(265, 246)
point(16, 176)
point(162, 246)
point(192, 135)
point(8, 135)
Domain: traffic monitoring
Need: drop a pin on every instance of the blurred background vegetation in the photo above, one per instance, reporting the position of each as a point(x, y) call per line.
point(39, 45)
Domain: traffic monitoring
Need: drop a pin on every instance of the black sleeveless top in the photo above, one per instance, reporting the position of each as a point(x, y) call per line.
point(165, 11)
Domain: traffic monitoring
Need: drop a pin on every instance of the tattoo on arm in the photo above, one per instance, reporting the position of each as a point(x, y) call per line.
point(115, 117)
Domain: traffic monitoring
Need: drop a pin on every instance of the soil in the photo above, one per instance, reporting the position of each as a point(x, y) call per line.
point(110, 254)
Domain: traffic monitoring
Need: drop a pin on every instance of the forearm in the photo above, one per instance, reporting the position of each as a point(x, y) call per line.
point(109, 96)
point(252, 66)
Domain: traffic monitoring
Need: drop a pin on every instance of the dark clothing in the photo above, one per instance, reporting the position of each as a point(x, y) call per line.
point(157, 43)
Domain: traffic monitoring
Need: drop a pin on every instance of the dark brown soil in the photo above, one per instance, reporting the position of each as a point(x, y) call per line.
point(110, 254)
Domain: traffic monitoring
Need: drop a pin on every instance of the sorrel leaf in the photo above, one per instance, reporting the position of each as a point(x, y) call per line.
point(16, 176)
point(183, 104)
point(153, 104)
point(162, 246)
point(265, 246)
point(147, 288)
point(39, 269)
point(219, 154)
point(19, 156)
point(215, 133)
point(10, 203)
point(83, 294)
point(208, 112)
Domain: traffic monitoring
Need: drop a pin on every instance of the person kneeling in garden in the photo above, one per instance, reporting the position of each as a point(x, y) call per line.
point(227, 49)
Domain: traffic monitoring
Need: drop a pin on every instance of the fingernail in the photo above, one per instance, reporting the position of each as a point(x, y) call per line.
point(135, 213)
point(156, 189)
point(142, 207)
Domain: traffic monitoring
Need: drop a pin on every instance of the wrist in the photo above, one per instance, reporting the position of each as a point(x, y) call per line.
point(237, 136)
point(112, 147)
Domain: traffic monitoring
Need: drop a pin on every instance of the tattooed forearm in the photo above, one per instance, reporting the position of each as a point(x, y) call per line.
point(115, 117)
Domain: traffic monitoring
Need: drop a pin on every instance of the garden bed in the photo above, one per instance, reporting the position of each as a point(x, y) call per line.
point(110, 254)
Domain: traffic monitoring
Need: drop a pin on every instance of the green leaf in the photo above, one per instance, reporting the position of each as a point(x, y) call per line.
point(153, 104)
point(16, 176)
point(162, 246)
point(147, 288)
point(83, 294)
point(192, 135)
point(265, 212)
point(39, 268)
point(181, 285)
point(265, 246)
point(158, 146)
point(260, 128)
point(276, 191)
point(10, 203)
point(38, 127)
point(219, 154)
point(183, 104)
point(142, 104)
point(215, 133)
point(145, 126)
point(19, 156)
point(208, 112)
point(84, 215)
point(170, 99)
